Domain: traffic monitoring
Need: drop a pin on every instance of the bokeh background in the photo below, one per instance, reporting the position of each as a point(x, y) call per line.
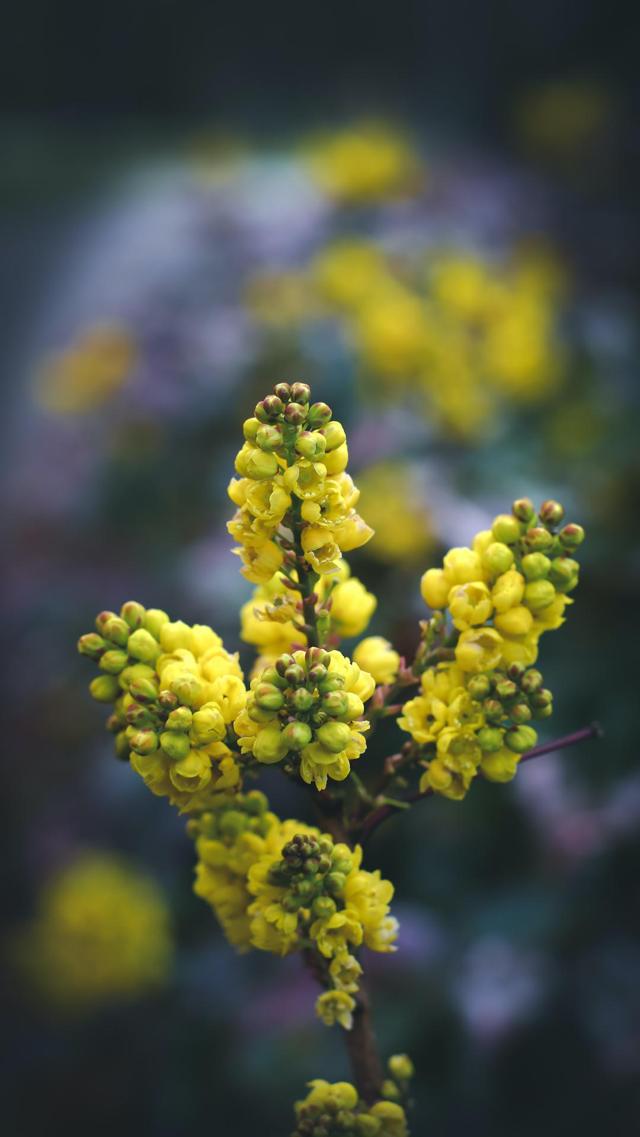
point(428, 212)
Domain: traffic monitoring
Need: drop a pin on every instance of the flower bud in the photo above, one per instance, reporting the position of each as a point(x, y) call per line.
point(490, 738)
point(175, 744)
point(167, 700)
point(143, 690)
point(401, 1067)
point(272, 406)
point(268, 697)
point(256, 803)
point(505, 529)
point(317, 673)
point(232, 823)
point(282, 663)
point(334, 434)
point(105, 688)
point(207, 725)
point(319, 414)
point(539, 594)
point(334, 736)
point(520, 713)
point(523, 509)
point(250, 428)
point(497, 558)
point(531, 681)
point(295, 414)
point(188, 688)
point(301, 700)
point(297, 735)
point(535, 566)
point(269, 437)
point(479, 686)
point(538, 539)
point(295, 675)
point(564, 573)
point(154, 620)
point(570, 537)
point(493, 710)
point(142, 741)
point(283, 391)
point(260, 412)
point(143, 646)
point(542, 698)
point(102, 618)
point(300, 393)
point(260, 464)
point(121, 743)
point(506, 689)
point(335, 882)
point(117, 630)
point(521, 738)
point(335, 704)
point(132, 613)
point(390, 1091)
point(551, 513)
point(92, 645)
point(139, 716)
point(310, 444)
point(515, 671)
point(270, 745)
point(318, 655)
point(323, 907)
point(180, 719)
point(270, 675)
point(331, 682)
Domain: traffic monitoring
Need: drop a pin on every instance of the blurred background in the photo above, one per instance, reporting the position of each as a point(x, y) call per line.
point(429, 214)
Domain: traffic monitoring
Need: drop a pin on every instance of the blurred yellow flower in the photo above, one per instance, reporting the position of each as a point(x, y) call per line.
point(88, 373)
point(365, 162)
point(400, 520)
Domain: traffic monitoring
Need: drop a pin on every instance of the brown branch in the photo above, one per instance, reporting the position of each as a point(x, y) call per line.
point(379, 815)
point(362, 1049)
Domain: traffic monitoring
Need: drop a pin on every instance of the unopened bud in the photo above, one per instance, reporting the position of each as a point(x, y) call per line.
point(521, 738)
point(295, 414)
point(143, 741)
point(543, 712)
point(122, 748)
point(319, 414)
point(535, 566)
point(180, 719)
point(143, 646)
point(139, 716)
point(301, 700)
point(334, 434)
point(331, 682)
point(310, 444)
point(105, 688)
point(539, 594)
point(297, 735)
point(479, 686)
point(493, 709)
point(542, 698)
point(300, 393)
point(154, 620)
point(250, 428)
point(497, 558)
point(335, 704)
point(531, 681)
point(520, 712)
point(401, 1067)
point(334, 736)
point(114, 661)
point(207, 725)
point(506, 689)
point(390, 1091)
point(102, 618)
point(269, 437)
point(283, 391)
point(268, 697)
point(515, 671)
point(117, 630)
point(270, 675)
point(295, 675)
point(523, 509)
point(317, 673)
point(273, 406)
point(335, 882)
point(564, 573)
point(283, 662)
point(537, 539)
point(490, 738)
point(188, 688)
point(92, 645)
point(571, 536)
point(132, 613)
point(506, 529)
point(175, 744)
point(323, 907)
point(167, 700)
point(143, 690)
point(318, 655)
point(551, 513)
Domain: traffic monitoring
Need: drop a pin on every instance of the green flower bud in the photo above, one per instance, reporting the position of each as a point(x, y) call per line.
point(317, 673)
point(180, 719)
point(551, 513)
point(505, 529)
point(268, 697)
point(262, 465)
point(139, 716)
point(521, 738)
point(493, 710)
point(506, 689)
point(232, 823)
point(258, 714)
point(334, 434)
point(168, 701)
point(539, 594)
point(269, 745)
point(103, 618)
point(323, 907)
point(365, 1126)
point(544, 712)
point(132, 613)
point(188, 689)
point(515, 671)
point(570, 537)
point(154, 620)
point(310, 444)
point(531, 681)
point(270, 675)
point(142, 646)
point(92, 645)
point(401, 1067)
point(542, 698)
point(117, 630)
point(143, 690)
point(478, 686)
point(269, 437)
point(260, 412)
point(538, 539)
point(390, 1091)
point(300, 393)
point(250, 428)
point(283, 391)
point(297, 735)
point(301, 700)
point(318, 655)
point(535, 566)
point(295, 414)
point(564, 573)
point(334, 736)
point(283, 662)
point(520, 713)
point(523, 509)
point(490, 738)
point(273, 406)
point(116, 722)
point(142, 741)
point(122, 748)
point(335, 882)
point(105, 688)
point(335, 704)
point(256, 802)
point(497, 558)
point(207, 725)
point(331, 683)
point(320, 414)
point(295, 675)
point(175, 744)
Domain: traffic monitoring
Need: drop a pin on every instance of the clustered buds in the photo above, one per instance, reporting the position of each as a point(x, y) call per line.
point(335, 1110)
point(308, 711)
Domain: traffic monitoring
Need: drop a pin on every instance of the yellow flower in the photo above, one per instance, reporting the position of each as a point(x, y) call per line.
point(435, 588)
point(508, 590)
point(479, 649)
point(392, 501)
point(462, 566)
point(335, 1007)
point(501, 766)
point(469, 604)
point(364, 162)
point(351, 606)
point(87, 374)
point(346, 273)
point(376, 655)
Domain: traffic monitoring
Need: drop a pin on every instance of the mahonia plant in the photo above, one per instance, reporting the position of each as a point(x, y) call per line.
point(198, 734)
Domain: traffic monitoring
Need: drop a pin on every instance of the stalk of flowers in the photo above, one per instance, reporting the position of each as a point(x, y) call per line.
point(336, 1109)
point(175, 692)
point(308, 713)
point(474, 711)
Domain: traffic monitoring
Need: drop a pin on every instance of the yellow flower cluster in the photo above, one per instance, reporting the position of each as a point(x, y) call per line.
point(102, 933)
point(308, 711)
point(376, 655)
point(334, 1110)
point(501, 595)
point(292, 475)
point(465, 332)
point(88, 373)
point(364, 163)
point(270, 620)
point(394, 507)
point(175, 692)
